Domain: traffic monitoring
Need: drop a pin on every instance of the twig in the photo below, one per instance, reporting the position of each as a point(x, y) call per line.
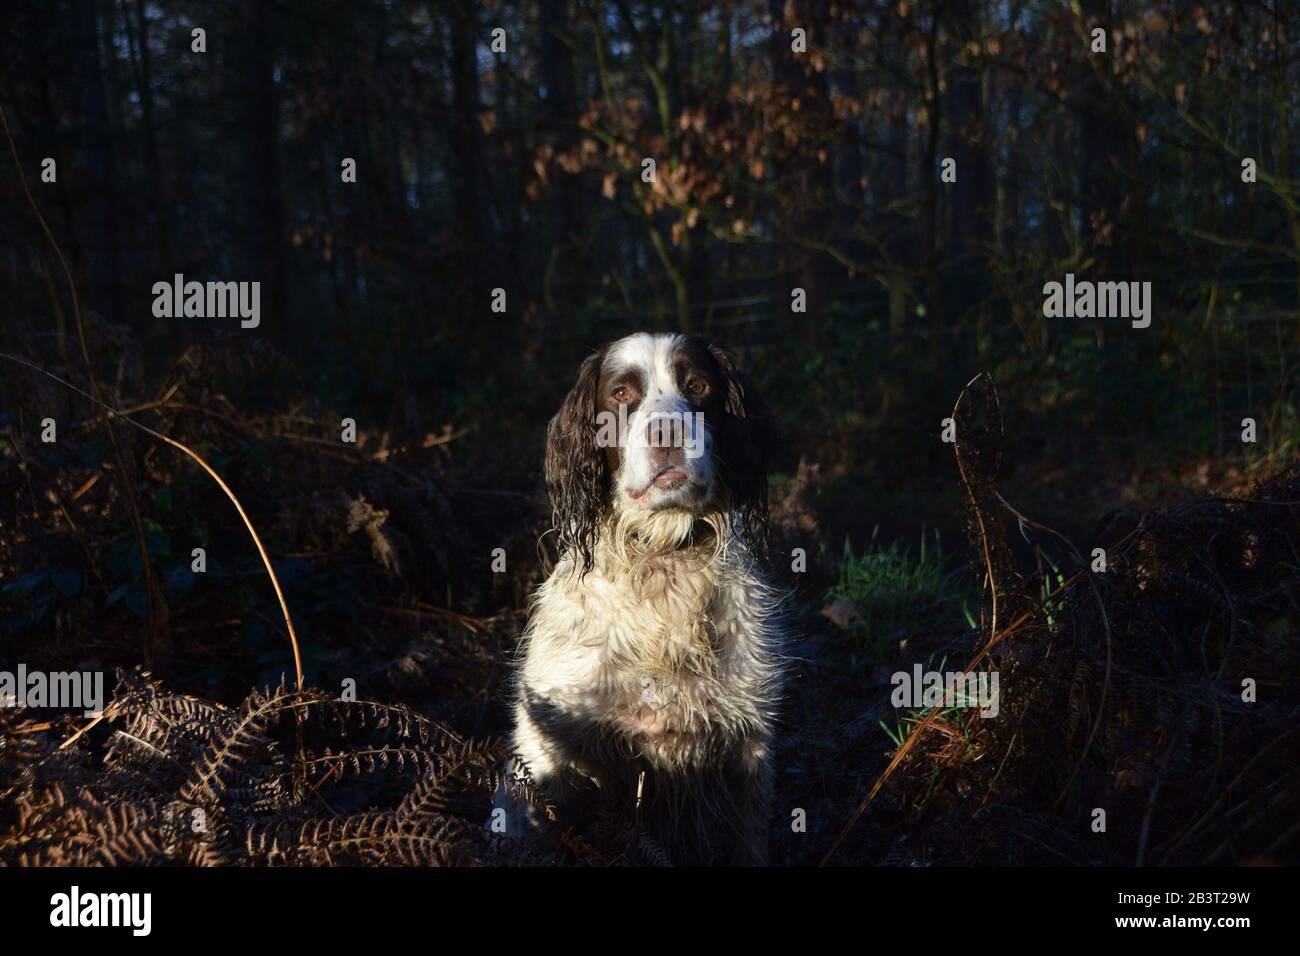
point(921, 727)
point(266, 561)
point(994, 639)
point(157, 606)
point(1086, 571)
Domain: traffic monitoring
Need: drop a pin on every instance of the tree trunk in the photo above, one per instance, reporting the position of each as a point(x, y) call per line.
point(105, 263)
point(261, 247)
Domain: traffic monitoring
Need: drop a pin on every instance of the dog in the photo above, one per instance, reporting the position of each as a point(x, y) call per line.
point(651, 665)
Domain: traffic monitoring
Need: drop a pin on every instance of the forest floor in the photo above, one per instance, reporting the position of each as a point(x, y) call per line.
point(1121, 691)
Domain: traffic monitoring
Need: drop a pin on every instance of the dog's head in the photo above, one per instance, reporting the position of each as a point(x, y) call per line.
point(658, 431)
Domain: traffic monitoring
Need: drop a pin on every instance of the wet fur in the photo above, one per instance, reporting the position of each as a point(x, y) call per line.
point(655, 643)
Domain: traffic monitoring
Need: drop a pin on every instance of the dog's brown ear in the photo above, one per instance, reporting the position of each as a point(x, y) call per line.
point(577, 474)
point(749, 440)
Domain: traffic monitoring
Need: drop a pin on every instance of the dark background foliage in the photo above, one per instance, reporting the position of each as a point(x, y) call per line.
point(520, 170)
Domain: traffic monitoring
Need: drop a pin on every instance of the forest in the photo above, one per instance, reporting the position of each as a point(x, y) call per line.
point(292, 288)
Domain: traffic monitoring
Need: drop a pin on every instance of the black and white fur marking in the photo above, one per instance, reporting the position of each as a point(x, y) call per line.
point(655, 644)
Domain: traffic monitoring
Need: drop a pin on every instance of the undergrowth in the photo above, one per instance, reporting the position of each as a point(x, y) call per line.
point(891, 594)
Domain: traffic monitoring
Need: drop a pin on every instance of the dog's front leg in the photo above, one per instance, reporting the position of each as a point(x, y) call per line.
point(544, 762)
point(546, 740)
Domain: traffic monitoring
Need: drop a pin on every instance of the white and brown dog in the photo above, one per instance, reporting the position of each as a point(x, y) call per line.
point(655, 645)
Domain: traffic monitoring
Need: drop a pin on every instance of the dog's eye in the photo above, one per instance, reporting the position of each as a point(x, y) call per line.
point(697, 386)
point(622, 394)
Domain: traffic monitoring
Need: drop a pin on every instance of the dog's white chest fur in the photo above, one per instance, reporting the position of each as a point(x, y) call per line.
point(669, 659)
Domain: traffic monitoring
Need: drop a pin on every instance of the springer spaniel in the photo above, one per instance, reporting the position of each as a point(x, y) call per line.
point(655, 645)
